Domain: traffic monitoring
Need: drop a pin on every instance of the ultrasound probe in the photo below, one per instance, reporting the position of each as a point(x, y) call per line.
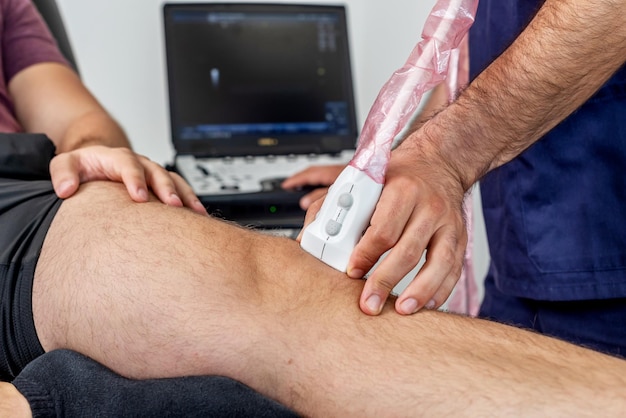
point(351, 200)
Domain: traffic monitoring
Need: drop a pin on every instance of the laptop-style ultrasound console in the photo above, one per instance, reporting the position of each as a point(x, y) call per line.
point(257, 92)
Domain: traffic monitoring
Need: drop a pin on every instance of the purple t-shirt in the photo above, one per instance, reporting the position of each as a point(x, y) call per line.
point(24, 40)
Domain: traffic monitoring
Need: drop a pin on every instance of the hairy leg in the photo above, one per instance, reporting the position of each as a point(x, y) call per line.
point(153, 291)
point(144, 288)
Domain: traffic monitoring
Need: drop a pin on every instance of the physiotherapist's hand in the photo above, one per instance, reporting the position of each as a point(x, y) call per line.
point(323, 175)
point(138, 173)
point(420, 209)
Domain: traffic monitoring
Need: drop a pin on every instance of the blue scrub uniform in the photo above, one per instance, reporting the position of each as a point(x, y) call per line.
point(556, 215)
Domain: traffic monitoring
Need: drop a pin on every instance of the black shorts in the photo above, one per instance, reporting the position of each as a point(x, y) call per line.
point(27, 206)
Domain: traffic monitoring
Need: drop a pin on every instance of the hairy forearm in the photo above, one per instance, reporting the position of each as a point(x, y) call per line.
point(436, 101)
point(566, 53)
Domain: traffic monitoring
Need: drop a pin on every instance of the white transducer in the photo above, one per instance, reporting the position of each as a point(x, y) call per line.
point(343, 218)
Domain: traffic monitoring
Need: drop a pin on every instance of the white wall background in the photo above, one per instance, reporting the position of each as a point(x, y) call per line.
point(119, 48)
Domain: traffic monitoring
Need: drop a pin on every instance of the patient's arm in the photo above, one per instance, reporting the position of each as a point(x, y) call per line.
point(153, 291)
point(50, 98)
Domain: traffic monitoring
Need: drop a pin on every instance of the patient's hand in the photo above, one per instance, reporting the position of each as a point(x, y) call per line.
point(138, 173)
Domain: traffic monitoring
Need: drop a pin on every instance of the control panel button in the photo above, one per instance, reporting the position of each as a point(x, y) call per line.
point(333, 227)
point(345, 200)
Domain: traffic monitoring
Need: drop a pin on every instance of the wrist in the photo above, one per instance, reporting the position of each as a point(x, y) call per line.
point(448, 146)
point(87, 141)
point(93, 128)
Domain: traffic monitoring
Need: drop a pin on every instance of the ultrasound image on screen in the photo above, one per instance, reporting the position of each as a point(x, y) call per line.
point(257, 73)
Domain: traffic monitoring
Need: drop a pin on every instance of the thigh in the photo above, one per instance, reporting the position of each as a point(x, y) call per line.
point(140, 287)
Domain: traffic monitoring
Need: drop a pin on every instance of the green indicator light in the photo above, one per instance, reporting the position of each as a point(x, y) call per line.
point(273, 209)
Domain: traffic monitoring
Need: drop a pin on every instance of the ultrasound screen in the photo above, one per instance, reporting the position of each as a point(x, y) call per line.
point(242, 73)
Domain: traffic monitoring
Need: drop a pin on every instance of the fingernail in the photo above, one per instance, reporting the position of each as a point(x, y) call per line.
point(356, 273)
point(409, 306)
point(198, 205)
point(176, 200)
point(431, 304)
point(143, 194)
point(373, 304)
point(65, 186)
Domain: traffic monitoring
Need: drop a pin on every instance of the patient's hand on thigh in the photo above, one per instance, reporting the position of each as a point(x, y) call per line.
point(12, 403)
point(69, 169)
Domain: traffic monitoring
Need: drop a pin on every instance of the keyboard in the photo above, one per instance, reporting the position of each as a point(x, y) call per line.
point(248, 174)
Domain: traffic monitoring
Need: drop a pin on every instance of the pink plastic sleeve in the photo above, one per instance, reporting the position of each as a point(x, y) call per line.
point(399, 98)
